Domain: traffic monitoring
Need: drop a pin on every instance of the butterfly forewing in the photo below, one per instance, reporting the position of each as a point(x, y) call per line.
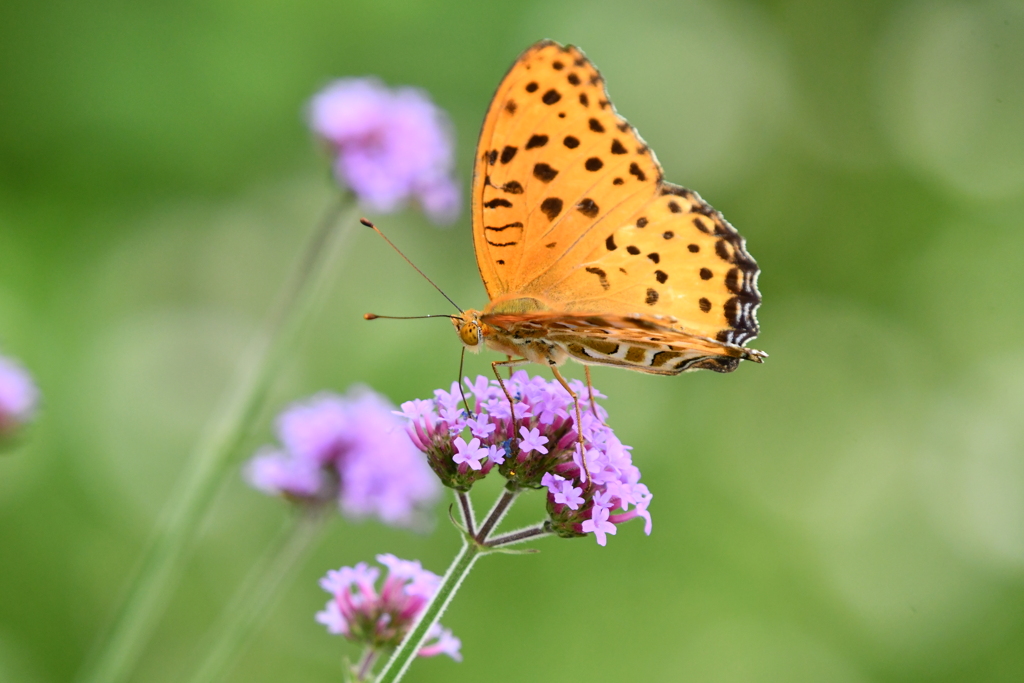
point(554, 159)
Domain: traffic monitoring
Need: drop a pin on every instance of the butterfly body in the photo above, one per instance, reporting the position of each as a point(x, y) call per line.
point(584, 249)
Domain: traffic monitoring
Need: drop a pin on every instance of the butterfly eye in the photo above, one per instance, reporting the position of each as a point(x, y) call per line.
point(469, 333)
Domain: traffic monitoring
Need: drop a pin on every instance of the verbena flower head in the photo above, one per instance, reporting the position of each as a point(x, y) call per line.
point(462, 448)
point(390, 145)
point(381, 619)
point(18, 397)
point(346, 448)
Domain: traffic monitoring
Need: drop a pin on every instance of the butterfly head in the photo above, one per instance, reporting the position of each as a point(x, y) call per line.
point(470, 329)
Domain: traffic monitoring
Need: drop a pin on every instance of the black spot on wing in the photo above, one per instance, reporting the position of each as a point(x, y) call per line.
point(496, 202)
point(641, 222)
point(632, 249)
point(588, 207)
point(593, 164)
point(634, 169)
point(571, 142)
point(499, 228)
point(704, 304)
point(601, 275)
point(596, 126)
point(544, 173)
point(574, 79)
point(617, 147)
point(551, 207)
point(734, 281)
point(508, 153)
point(610, 243)
point(694, 248)
point(661, 276)
point(722, 250)
point(551, 96)
point(537, 141)
point(532, 86)
point(652, 297)
point(706, 274)
point(512, 187)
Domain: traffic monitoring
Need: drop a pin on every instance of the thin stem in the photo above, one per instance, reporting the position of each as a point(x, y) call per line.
point(399, 662)
point(453, 578)
point(162, 562)
point(466, 506)
point(501, 506)
point(366, 664)
point(258, 593)
point(514, 537)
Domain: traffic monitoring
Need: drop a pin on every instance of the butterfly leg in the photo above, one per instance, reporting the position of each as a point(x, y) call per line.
point(511, 404)
point(579, 421)
point(590, 390)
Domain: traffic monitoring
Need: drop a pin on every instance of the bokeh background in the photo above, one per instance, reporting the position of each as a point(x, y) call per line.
point(851, 511)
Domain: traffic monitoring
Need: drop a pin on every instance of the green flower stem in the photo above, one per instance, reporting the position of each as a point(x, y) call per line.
point(366, 665)
point(162, 562)
point(466, 508)
point(513, 537)
point(406, 652)
point(496, 514)
point(258, 592)
point(472, 548)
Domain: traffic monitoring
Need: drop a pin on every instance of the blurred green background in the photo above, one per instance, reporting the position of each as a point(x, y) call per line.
point(852, 510)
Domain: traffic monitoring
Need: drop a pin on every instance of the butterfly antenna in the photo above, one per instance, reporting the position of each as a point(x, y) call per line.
point(377, 230)
point(374, 316)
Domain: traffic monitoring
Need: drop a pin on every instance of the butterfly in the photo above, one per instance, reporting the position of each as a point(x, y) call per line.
point(585, 251)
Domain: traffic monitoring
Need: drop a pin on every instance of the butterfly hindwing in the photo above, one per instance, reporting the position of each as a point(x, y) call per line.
point(675, 257)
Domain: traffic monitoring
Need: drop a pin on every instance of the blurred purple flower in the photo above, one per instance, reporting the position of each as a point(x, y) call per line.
point(545, 454)
point(390, 145)
point(18, 396)
point(352, 449)
point(380, 620)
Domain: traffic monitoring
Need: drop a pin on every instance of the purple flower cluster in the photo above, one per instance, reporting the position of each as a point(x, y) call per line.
point(352, 449)
point(390, 145)
point(380, 620)
point(18, 396)
point(462, 448)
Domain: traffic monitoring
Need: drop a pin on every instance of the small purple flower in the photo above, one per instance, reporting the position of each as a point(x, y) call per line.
point(469, 453)
point(18, 396)
point(381, 619)
point(351, 449)
point(532, 441)
point(391, 145)
point(540, 449)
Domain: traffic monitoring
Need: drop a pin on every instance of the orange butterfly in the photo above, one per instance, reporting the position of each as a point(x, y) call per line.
point(585, 251)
